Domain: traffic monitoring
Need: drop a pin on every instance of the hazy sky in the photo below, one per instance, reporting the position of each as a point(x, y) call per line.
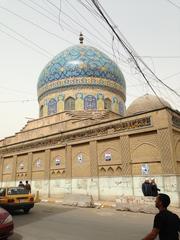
point(29, 40)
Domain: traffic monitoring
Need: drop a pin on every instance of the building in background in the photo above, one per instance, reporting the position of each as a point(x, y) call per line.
point(85, 141)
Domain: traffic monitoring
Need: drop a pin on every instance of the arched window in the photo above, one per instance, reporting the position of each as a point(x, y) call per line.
point(52, 106)
point(70, 103)
point(107, 104)
point(90, 102)
point(41, 111)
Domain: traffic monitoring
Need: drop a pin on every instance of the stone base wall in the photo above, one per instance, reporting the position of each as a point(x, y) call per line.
point(136, 204)
point(103, 188)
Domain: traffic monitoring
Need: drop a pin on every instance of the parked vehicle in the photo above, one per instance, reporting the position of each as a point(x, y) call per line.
point(6, 224)
point(13, 198)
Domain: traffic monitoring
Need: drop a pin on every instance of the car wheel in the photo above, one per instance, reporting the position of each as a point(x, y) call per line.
point(26, 210)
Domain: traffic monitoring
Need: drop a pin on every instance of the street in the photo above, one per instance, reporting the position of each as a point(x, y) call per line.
point(52, 222)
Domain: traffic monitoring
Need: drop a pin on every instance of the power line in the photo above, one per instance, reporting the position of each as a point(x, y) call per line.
point(92, 10)
point(22, 101)
point(88, 40)
point(163, 57)
point(172, 3)
point(126, 48)
point(94, 28)
point(73, 31)
point(40, 6)
point(43, 28)
point(28, 40)
point(35, 24)
point(74, 21)
point(60, 7)
point(25, 44)
point(131, 52)
point(15, 90)
point(170, 76)
point(97, 16)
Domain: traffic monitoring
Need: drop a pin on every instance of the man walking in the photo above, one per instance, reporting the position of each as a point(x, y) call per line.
point(28, 187)
point(146, 187)
point(21, 184)
point(154, 188)
point(166, 224)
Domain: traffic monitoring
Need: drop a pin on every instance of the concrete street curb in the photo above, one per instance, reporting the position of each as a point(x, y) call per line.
point(97, 204)
point(100, 204)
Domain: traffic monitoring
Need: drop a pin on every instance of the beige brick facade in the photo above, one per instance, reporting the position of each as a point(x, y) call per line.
point(71, 152)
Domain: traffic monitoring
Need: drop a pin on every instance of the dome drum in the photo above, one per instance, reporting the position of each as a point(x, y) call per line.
point(80, 101)
point(73, 83)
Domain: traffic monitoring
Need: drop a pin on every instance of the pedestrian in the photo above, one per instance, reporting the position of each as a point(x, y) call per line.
point(146, 187)
point(21, 184)
point(28, 187)
point(166, 224)
point(154, 188)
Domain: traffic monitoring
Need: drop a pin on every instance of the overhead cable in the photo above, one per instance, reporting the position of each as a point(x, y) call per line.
point(35, 24)
point(130, 52)
point(27, 39)
point(94, 28)
point(124, 45)
point(64, 23)
point(25, 44)
point(74, 21)
point(172, 3)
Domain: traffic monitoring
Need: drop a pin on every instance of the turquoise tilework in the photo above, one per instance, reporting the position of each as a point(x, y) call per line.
point(81, 61)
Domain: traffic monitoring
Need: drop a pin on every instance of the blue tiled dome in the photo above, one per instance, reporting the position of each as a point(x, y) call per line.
point(79, 61)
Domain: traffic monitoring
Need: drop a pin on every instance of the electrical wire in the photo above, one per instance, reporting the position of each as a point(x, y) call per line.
point(130, 52)
point(126, 48)
point(25, 44)
point(95, 16)
point(74, 21)
point(15, 90)
point(52, 20)
point(64, 23)
point(60, 7)
point(84, 19)
point(27, 39)
point(170, 76)
point(22, 101)
point(163, 57)
point(172, 3)
point(35, 24)
point(104, 50)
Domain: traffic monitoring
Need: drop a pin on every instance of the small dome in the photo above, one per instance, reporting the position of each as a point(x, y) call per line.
point(146, 103)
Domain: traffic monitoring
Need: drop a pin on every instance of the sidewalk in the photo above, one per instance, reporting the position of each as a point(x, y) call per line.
point(97, 204)
point(101, 204)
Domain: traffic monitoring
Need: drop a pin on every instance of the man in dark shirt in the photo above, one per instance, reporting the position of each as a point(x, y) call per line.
point(21, 184)
point(166, 223)
point(28, 187)
point(154, 188)
point(146, 188)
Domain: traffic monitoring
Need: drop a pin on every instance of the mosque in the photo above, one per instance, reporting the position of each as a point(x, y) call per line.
point(85, 141)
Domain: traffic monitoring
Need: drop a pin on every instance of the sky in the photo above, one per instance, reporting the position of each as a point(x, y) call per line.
point(32, 32)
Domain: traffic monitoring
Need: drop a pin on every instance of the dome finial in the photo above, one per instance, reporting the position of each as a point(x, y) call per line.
point(81, 38)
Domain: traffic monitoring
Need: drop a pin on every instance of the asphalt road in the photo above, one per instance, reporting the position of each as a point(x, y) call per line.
point(56, 222)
